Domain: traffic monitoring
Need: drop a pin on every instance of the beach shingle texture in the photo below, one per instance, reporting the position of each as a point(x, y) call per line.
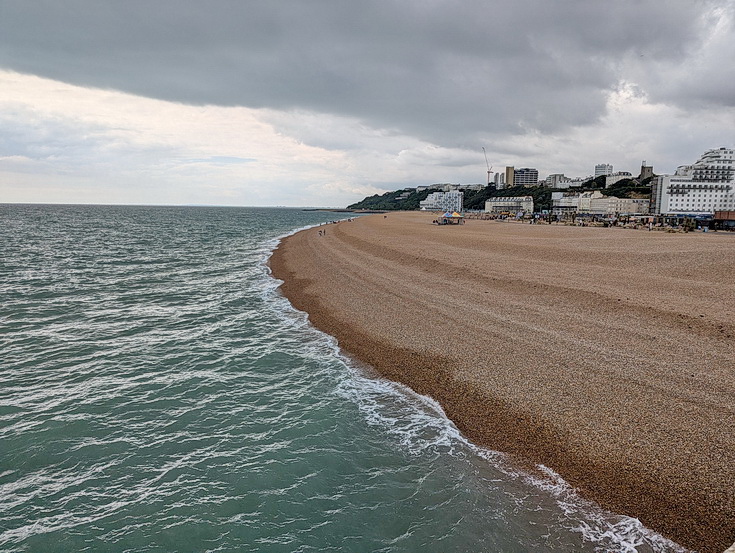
point(607, 354)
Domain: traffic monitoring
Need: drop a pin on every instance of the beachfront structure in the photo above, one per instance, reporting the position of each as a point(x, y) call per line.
point(525, 176)
point(596, 203)
point(443, 201)
point(615, 177)
point(603, 169)
point(510, 204)
point(610, 205)
point(699, 189)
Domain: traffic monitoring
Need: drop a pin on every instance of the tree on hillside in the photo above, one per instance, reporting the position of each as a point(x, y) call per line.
point(475, 199)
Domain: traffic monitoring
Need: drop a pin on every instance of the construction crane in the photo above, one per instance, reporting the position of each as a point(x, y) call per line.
point(489, 168)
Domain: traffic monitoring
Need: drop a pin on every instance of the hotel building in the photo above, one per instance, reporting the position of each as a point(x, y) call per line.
point(699, 189)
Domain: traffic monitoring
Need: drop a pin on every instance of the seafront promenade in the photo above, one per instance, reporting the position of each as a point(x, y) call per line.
point(603, 353)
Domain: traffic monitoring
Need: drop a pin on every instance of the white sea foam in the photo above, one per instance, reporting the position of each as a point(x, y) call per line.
point(419, 424)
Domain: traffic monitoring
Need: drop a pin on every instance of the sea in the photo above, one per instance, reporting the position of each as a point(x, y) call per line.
point(158, 394)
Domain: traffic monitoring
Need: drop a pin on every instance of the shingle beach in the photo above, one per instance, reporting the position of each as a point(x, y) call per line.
point(606, 354)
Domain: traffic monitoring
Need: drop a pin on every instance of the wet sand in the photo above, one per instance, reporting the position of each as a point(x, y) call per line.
point(606, 354)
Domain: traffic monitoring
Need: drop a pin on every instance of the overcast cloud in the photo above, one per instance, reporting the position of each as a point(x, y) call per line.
point(324, 102)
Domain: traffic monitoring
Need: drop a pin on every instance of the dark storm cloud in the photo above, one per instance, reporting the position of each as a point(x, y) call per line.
point(445, 71)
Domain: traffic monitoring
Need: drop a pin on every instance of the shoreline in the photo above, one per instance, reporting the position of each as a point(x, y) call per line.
point(537, 343)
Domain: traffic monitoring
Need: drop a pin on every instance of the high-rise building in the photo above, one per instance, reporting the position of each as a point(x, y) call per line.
point(509, 177)
point(499, 180)
point(526, 176)
point(603, 169)
point(702, 188)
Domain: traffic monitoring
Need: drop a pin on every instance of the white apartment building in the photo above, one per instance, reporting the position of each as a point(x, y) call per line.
point(525, 176)
point(603, 169)
point(443, 201)
point(699, 189)
point(513, 204)
point(559, 181)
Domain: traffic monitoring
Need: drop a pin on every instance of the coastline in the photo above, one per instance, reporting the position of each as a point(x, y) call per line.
point(605, 354)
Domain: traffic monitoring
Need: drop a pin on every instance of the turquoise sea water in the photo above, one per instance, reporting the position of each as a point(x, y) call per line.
point(158, 394)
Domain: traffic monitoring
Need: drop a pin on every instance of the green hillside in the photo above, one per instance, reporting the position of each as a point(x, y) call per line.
point(390, 201)
point(408, 199)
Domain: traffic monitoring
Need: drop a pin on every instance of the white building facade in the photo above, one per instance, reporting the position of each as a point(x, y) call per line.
point(603, 169)
point(525, 176)
point(443, 201)
point(559, 181)
point(595, 203)
point(699, 189)
point(512, 204)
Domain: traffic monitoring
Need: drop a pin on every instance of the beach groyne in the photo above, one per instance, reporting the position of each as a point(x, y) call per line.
point(603, 353)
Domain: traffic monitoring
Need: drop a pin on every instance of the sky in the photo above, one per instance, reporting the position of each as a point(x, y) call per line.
point(324, 102)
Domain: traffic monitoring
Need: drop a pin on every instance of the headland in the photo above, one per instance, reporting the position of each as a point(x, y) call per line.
point(605, 354)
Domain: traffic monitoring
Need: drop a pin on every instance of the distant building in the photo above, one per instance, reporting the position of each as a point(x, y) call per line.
point(561, 182)
point(577, 182)
point(646, 171)
point(557, 180)
point(443, 201)
point(475, 187)
point(499, 180)
point(615, 177)
point(509, 177)
point(603, 169)
point(563, 203)
point(596, 203)
point(610, 205)
point(699, 189)
point(526, 176)
point(512, 204)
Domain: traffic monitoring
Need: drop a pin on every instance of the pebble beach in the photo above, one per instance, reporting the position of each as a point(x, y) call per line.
point(606, 354)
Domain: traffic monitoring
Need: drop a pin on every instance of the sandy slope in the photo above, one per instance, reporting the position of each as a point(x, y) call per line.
point(606, 354)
